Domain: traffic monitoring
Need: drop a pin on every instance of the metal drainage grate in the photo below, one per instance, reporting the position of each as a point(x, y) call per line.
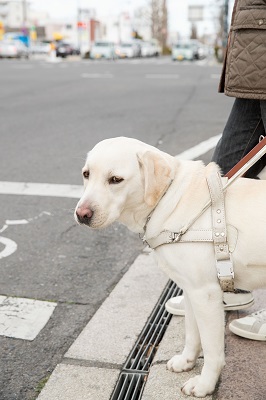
point(129, 386)
point(134, 373)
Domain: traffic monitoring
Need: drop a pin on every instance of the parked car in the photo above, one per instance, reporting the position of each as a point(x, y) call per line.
point(63, 49)
point(156, 49)
point(75, 50)
point(183, 51)
point(103, 49)
point(13, 49)
point(40, 48)
point(200, 50)
point(203, 51)
point(146, 49)
point(128, 50)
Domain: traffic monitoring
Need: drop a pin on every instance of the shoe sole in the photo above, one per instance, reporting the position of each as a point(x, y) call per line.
point(238, 306)
point(174, 311)
point(235, 307)
point(245, 334)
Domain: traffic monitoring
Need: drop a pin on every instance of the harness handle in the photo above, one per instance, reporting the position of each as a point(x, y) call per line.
point(238, 170)
point(247, 161)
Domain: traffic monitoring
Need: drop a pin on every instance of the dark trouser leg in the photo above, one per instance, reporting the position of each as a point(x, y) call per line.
point(241, 134)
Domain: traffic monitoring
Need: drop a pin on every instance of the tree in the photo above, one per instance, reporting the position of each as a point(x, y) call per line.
point(221, 22)
point(159, 21)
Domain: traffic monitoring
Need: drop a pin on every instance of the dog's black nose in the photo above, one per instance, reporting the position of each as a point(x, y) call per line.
point(84, 215)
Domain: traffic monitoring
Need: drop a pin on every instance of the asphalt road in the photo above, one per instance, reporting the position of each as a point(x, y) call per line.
point(51, 114)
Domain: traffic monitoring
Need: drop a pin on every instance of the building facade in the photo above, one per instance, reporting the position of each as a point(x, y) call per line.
point(13, 13)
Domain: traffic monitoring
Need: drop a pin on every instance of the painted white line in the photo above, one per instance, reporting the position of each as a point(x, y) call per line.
point(75, 191)
point(10, 247)
point(41, 189)
point(162, 76)
point(23, 318)
point(96, 76)
point(16, 221)
point(3, 228)
point(201, 148)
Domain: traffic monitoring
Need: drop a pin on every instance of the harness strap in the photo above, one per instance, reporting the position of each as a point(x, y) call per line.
point(166, 237)
point(224, 263)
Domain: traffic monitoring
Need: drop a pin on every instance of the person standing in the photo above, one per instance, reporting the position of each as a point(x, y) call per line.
point(244, 78)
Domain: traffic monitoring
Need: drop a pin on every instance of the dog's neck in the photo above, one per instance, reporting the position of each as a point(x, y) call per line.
point(176, 200)
point(137, 219)
point(154, 208)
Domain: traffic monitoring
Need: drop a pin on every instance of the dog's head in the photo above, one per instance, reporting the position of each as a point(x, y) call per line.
point(123, 181)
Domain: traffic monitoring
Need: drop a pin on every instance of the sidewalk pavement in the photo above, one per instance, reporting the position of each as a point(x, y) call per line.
point(90, 368)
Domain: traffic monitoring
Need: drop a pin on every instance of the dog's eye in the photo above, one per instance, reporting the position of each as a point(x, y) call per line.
point(86, 174)
point(115, 180)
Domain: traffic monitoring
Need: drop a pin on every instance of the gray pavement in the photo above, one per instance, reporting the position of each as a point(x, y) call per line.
point(91, 366)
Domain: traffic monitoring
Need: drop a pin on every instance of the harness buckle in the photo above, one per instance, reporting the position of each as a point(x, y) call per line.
point(175, 237)
point(225, 268)
point(143, 238)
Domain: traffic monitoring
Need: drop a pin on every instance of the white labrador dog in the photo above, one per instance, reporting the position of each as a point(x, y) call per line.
point(125, 180)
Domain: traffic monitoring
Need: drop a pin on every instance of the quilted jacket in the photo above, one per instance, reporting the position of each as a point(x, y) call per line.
point(244, 70)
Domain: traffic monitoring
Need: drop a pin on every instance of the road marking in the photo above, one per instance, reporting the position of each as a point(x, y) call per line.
point(41, 189)
point(162, 76)
point(23, 318)
point(16, 221)
point(75, 191)
point(3, 228)
point(97, 75)
point(199, 149)
point(10, 247)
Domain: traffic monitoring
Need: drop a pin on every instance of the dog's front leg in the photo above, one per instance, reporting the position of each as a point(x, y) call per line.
point(209, 313)
point(187, 360)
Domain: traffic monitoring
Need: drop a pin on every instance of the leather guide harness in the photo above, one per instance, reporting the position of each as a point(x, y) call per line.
point(218, 233)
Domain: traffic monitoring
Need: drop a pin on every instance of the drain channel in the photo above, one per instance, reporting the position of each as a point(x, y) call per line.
point(134, 373)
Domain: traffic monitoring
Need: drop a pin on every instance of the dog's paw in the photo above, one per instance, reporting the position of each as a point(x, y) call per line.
point(195, 387)
point(180, 364)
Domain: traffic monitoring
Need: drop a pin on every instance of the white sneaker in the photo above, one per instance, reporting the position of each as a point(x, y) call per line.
point(232, 301)
point(252, 326)
point(176, 305)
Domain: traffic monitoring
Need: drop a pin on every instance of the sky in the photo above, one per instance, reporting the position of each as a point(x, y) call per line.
point(67, 8)
point(177, 9)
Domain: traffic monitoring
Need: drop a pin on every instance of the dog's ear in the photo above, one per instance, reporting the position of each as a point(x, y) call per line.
point(156, 171)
